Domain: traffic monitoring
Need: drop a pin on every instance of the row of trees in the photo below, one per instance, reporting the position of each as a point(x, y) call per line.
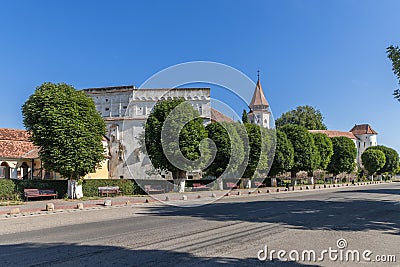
point(222, 150)
point(380, 160)
point(297, 149)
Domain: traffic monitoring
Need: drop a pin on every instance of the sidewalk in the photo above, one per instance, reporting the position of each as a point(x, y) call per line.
point(37, 207)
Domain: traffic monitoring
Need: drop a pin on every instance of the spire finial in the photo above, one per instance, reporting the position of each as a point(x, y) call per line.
point(258, 75)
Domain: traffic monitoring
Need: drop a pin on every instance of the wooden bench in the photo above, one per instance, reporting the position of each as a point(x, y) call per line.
point(259, 184)
point(108, 190)
point(232, 186)
point(35, 193)
point(198, 186)
point(154, 189)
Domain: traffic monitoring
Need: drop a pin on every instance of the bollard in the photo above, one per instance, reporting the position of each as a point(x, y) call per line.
point(49, 207)
point(14, 211)
point(107, 202)
point(79, 206)
point(184, 197)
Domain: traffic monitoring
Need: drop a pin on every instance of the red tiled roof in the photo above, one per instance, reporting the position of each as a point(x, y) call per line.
point(258, 97)
point(362, 129)
point(332, 133)
point(14, 134)
point(15, 144)
point(219, 117)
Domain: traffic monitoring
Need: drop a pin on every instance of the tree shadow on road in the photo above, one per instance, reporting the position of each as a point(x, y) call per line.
point(384, 191)
point(66, 254)
point(337, 214)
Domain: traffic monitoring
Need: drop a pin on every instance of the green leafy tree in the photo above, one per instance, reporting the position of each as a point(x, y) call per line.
point(306, 116)
point(325, 149)
point(65, 125)
point(268, 137)
point(344, 156)
point(175, 138)
point(284, 155)
point(305, 156)
point(393, 53)
point(254, 137)
point(373, 160)
point(230, 153)
point(245, 119)
point(261, 147)
point(239, 149)
point(392, 159)
point(220, 136)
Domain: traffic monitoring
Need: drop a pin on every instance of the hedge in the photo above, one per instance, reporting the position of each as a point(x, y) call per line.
point(7, 189)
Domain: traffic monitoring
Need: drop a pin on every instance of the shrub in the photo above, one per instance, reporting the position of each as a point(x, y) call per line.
point(7, 189)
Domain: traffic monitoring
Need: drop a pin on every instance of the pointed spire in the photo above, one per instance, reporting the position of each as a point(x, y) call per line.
point(258, 96)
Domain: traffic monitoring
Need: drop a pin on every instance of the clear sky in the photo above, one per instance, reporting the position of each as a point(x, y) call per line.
point(328, 54)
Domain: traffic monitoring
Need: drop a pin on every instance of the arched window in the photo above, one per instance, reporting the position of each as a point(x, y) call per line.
point(5, 170)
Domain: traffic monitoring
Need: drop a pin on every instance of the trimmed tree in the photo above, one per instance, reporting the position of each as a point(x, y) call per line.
point(344, 156)
point(230, 151)
point(284, 155)
point(392, 159)
point(254, 137)
point(373, 160)
point(245, 119)
point(219, 135)
point(325, 149)
point(393, 53)
point(66, 127)
point(305, 116)
point(305, 156)
point(175, 139)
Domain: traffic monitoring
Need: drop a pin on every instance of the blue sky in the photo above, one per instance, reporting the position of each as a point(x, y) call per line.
point(327, 54)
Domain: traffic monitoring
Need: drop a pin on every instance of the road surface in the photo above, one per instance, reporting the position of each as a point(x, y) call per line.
point(235, 231)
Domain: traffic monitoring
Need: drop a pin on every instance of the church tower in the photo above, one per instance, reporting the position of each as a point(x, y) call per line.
point(259, 107)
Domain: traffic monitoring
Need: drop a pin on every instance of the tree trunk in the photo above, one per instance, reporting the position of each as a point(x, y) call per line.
point(179, 181)
point(220, 183)
point(310, 178)
point(293, 177)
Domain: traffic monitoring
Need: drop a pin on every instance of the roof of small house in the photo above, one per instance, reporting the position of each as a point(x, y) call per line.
point(332, 133)
point(15, 143)
point(217, 116)
point(362, 129)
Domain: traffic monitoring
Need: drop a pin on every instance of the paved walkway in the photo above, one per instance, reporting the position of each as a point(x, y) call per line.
point(37, 207)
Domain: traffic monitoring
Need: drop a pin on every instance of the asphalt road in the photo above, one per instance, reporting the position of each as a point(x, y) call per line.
point(229, 232)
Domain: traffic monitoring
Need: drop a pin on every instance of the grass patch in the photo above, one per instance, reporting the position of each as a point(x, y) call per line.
point(11, 203)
